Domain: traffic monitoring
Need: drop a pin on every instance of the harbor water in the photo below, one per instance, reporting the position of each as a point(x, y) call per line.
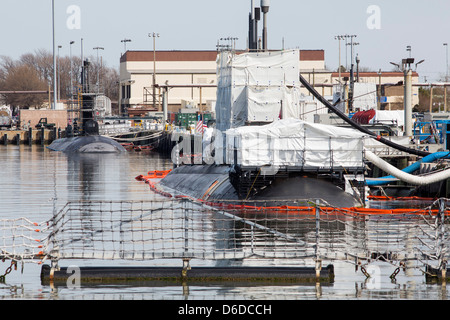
point(36, 182)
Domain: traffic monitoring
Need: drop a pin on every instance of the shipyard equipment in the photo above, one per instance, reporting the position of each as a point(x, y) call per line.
point(5, 117)
point(44, 124)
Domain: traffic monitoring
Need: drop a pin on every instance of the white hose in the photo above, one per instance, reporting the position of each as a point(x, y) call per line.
point(406, 177)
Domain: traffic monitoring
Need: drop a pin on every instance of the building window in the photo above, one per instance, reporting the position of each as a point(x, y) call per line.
point(126, 91)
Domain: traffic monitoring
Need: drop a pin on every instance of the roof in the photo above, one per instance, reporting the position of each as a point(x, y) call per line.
point(374, 74)
point(179, 55)
point(169, 56)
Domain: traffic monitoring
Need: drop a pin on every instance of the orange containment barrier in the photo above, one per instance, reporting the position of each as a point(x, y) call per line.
point(327, 211)
point(387, 198)
point(246, 207)
point(156, 174)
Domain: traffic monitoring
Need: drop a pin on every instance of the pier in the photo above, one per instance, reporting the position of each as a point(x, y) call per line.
point(32, 136)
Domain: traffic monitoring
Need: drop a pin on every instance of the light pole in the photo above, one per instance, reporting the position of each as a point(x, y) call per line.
point(71, 72)
point(339, 38)
point(98, 69)
point(59, 75)
point(446, 75)
point(350, 98)
point(379, 89)
point(124, 41)
point(54, 56)
point(446, 55)
point(154, 36)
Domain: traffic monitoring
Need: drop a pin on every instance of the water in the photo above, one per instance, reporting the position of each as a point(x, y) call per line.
point(36, 181)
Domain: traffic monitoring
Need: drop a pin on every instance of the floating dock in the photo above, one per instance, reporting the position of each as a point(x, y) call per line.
point(114, 275)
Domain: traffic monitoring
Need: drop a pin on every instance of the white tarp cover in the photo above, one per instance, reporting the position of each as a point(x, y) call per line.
point(257, 87)
point(309, 107)
point(364, 96)
point(396, 117)
point(295, 143)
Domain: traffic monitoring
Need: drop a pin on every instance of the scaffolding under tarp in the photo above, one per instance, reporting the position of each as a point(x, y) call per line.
point(257, 87)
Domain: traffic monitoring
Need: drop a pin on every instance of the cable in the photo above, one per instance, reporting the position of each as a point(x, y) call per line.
point(357, 126)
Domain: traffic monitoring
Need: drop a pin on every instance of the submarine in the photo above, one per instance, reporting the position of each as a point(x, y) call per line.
point(259, 150)
point(83, 135)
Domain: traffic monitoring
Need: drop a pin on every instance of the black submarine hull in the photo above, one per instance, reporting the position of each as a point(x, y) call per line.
point(87, 144)
point(214, 183)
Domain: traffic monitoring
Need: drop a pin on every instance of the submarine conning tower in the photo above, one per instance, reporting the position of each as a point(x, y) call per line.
point(89, 125)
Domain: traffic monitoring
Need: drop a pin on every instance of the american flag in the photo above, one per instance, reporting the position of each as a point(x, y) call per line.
point(199, 127)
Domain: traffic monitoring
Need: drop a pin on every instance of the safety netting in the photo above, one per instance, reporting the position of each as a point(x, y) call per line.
point(186, 229)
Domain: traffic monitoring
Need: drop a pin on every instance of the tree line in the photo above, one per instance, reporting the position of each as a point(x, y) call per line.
point(34, 72)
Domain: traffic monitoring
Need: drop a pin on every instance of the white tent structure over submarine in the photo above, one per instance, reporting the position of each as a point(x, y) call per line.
point(296, 143)
point(257, 88)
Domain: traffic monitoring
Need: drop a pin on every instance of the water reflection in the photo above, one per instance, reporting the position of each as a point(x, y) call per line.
point(36, 182)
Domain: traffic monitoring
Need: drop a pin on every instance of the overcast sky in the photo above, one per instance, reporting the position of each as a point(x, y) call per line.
point(384, 28)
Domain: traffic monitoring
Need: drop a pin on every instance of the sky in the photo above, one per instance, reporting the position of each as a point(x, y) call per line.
point(383, 28)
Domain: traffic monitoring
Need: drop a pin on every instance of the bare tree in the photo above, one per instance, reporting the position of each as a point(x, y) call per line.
point(23, 78)
point(68, 75)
